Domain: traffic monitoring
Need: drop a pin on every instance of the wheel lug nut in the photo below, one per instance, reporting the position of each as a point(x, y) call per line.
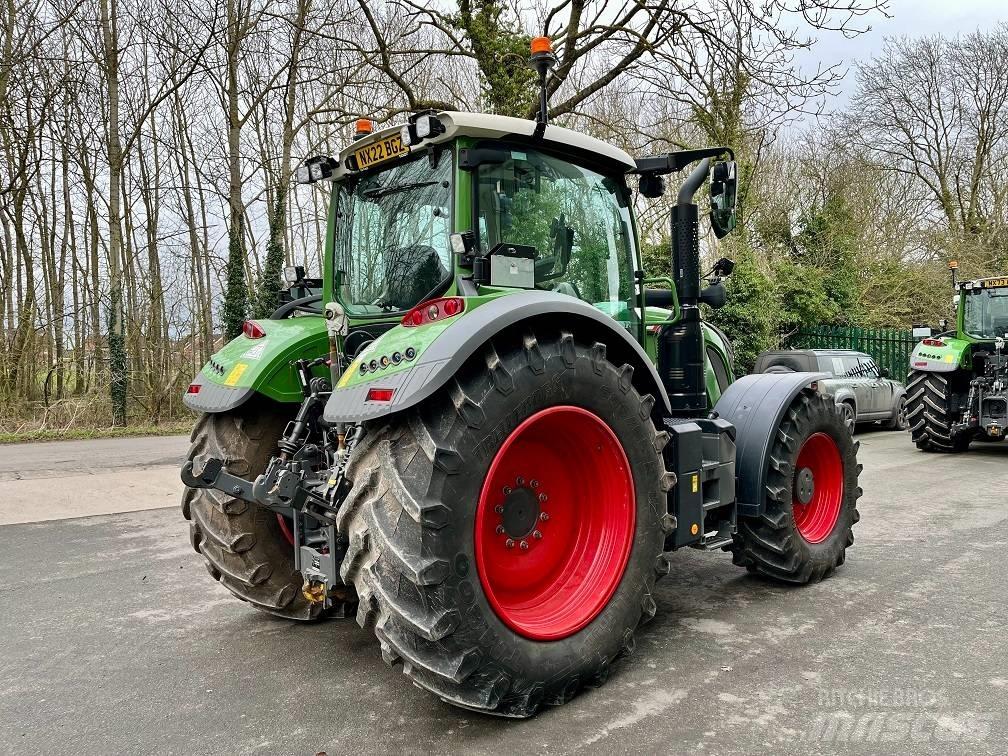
point(536, 534)
point(499, 509)
point(534, 484)
point(507, 490)
point(520, 481)
point(500, 530)
point(509, 543)
point(544, 516)
point(542, 497)
point(524, 545)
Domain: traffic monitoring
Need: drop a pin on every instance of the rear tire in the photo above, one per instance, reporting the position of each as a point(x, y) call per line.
point(243, 544)
point(416, 525)
point(797, 542)
point(930, 414)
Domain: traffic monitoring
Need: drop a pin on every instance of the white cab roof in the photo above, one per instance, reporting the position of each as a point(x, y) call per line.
point(484, 125)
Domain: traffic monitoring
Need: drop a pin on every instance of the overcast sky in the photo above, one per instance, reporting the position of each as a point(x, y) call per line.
point(912, 19)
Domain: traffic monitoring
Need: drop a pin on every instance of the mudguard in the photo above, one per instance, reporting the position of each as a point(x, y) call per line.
point(755, 405)
point(458, 340)
point(952, 355)
point(245, 367)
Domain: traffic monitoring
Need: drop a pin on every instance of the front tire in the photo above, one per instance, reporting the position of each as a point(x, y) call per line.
point(480, 622)
point(811, 497)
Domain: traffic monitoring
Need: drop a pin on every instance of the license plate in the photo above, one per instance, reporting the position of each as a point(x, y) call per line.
point(380, 151)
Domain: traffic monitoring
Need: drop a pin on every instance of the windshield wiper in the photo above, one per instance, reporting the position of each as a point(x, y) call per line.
point(384, 192)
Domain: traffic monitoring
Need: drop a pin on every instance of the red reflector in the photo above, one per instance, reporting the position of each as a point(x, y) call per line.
point(252, 330)
point(920, 364)
point(380, 395)
point(433, 310)
point(193, 388)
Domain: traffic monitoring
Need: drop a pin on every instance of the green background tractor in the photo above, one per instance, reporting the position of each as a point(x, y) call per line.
point(488, 433)
point(957, 390)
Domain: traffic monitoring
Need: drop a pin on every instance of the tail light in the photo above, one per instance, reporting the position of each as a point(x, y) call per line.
point(933, 342)
point(433, 310)
point(380, 395)
point(252, 330)
point(193, 388)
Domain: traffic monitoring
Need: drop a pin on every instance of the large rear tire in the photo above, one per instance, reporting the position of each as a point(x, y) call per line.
point(930, 414)
point(811, 497)
point(244, 545)
point(487, 603)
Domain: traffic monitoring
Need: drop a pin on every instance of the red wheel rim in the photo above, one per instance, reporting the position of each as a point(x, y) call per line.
point(555, 523)
point(816, 507)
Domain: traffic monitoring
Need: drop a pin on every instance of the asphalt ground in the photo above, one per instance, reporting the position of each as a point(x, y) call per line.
point(113, 638)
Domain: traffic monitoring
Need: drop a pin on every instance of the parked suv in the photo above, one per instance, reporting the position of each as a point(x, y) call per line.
point(863, 391)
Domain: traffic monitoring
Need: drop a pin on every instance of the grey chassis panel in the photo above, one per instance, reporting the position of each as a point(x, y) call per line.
point(213, 397)
point(755, 404)
point(447, 353)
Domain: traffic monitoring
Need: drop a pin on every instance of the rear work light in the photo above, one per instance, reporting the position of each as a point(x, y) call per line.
point(433, 310)
point(933, 342)
point(193, 388)
point(252, 330)
point(380, 395)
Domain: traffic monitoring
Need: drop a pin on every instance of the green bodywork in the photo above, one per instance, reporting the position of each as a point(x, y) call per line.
point(264, 364)
point(955, 351)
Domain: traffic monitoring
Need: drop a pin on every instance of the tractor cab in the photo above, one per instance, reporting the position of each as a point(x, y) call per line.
point(471, 204)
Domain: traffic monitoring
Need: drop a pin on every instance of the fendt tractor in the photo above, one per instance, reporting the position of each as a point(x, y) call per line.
point(488, 431)
point(957, 390)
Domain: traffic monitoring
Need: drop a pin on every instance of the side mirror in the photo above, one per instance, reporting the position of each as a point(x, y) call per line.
point(652, 186)
point(723, 195)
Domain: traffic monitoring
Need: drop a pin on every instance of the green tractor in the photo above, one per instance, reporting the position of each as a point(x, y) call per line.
point(488, 431)
point(957, 390)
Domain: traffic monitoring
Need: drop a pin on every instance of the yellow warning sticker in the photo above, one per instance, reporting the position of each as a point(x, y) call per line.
point(235, 375)
point(696, 483)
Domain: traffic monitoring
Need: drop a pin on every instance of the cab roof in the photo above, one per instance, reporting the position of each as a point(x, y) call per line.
point(488, 126)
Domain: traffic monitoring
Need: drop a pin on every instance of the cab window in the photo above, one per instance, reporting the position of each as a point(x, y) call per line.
point(576, 220)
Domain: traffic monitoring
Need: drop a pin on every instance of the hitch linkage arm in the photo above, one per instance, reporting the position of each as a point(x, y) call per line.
point(282, 488)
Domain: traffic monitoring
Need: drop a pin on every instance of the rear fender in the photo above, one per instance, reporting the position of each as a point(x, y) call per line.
point(755, 405)
point(953, 355)
point(443, 348)
point(245, 367)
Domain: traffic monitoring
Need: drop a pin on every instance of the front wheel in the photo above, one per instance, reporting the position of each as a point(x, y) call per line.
point(506, 535)
point(811, 497)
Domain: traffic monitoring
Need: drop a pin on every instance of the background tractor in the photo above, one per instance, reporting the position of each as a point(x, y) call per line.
point(957, 390)
point(489, 432)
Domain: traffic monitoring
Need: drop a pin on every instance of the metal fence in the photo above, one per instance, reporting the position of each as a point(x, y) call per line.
point(890, 347)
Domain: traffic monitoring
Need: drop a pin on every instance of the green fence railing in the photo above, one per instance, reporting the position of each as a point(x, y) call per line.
point(890, 347)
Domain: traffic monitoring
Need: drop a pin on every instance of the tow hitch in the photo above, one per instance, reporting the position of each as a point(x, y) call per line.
point(305, 483)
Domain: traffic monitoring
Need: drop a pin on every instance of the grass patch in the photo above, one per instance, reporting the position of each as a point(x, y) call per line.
point(170, 428)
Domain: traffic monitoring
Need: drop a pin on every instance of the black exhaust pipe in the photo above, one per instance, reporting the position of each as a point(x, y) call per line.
point(681, 347)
